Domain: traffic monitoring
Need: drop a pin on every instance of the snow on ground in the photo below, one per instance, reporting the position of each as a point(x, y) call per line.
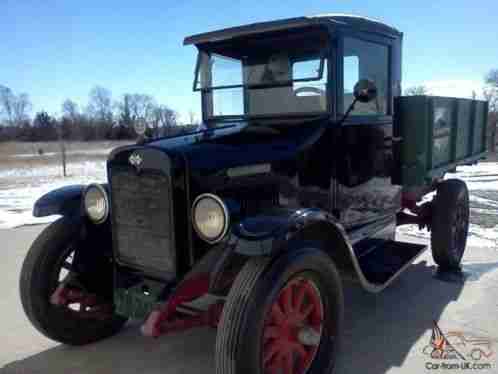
point(482, 181)
point(21, 187)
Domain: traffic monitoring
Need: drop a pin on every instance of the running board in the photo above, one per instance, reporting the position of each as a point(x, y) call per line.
point(385, 263)
point(378, 267)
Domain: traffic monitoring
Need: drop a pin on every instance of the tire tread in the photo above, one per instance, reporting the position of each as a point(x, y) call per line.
point(41, 254)
point(443, 209)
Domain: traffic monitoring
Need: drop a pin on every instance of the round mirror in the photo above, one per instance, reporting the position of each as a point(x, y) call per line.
point(365, 91)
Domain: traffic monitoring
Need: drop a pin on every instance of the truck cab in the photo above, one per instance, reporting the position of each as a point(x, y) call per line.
point(294, 80)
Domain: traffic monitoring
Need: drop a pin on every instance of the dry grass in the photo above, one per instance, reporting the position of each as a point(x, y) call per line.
point(9, 149)
point(31, 155)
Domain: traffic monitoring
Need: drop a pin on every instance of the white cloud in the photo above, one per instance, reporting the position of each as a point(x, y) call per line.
point(454, 88)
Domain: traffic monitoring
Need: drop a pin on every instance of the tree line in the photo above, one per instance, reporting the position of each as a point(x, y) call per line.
point(107, 119)
point(102, 119)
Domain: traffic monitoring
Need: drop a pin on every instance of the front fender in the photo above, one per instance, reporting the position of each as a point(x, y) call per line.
point(269, 233)
point(65, 201)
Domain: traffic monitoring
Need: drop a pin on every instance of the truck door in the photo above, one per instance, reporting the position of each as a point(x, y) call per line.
point(363, 153)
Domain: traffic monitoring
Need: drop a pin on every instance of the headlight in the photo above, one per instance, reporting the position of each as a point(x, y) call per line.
point(210, 217)
point(96, 203)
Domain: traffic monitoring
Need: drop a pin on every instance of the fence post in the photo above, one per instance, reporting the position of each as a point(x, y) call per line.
point(62, 147)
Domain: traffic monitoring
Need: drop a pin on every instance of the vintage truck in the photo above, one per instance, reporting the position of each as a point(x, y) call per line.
point(307, 160)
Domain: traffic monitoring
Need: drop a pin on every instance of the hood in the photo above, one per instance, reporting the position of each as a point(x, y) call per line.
point(240, 144)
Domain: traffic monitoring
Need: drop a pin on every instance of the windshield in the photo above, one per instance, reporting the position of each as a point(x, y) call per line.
point(262, 80)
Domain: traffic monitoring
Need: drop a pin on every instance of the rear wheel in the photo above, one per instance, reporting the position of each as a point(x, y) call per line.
point(450, 223)
point(282, 317)
point(48, 267)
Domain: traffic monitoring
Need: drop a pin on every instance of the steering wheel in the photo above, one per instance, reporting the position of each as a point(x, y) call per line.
point(309, 89)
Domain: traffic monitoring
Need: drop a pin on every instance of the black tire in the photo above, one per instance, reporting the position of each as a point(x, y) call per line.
point(239, 344)
point(37, 284)
point(450, 223)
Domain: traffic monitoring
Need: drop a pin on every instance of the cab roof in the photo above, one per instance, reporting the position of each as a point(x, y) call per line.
point(333, 19)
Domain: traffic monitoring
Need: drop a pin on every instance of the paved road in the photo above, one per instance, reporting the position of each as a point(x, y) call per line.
point(383, 333)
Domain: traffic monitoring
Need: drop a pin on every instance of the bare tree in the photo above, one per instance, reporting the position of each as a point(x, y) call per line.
point(164, 119)
point(100, 110)
point(492, 77)
point(22, 107)
point(135, 108)
point(142, 107)
point(70, 116)
point(15, 108)
point(123, 113)
point(491, 90)
point(490, 93)
point(70, 110)
point(99, 104)
point(7, 99)
point(417, 90)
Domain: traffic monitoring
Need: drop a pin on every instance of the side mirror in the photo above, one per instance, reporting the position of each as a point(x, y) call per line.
point(365, 91)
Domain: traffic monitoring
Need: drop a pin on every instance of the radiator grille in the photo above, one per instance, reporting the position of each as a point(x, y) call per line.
point(142, 220)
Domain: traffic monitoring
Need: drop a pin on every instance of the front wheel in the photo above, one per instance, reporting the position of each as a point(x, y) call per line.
point(49, 263)
point(282, 316)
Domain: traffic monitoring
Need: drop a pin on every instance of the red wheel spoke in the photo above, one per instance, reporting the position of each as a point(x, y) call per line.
point(288, 346)
point(288, 364)
point(316, 316)
point(307, 312)
point(275, 365)
point(271, 332)
point(286, 297)
point(271, 349)
point(277, 314)
point(298, 301)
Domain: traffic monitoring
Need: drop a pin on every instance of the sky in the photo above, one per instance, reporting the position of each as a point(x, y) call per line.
point(58, 49)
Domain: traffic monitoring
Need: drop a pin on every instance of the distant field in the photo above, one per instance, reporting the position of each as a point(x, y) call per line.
point(26, 173)
point(24, 154)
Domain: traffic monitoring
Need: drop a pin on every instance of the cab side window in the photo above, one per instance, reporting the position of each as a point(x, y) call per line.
point(366, 60)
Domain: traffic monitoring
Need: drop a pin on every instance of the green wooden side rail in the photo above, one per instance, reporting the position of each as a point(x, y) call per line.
point(436, 134)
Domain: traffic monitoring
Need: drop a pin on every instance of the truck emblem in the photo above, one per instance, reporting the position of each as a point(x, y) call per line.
point(136, 160)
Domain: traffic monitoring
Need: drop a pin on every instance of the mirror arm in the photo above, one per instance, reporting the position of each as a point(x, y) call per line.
point(346, 115)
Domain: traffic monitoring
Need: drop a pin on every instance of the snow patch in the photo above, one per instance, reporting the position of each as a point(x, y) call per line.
point(23, 186)
point(478, 236)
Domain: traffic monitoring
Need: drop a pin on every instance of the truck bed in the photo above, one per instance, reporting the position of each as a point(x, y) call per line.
point(434, 135)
